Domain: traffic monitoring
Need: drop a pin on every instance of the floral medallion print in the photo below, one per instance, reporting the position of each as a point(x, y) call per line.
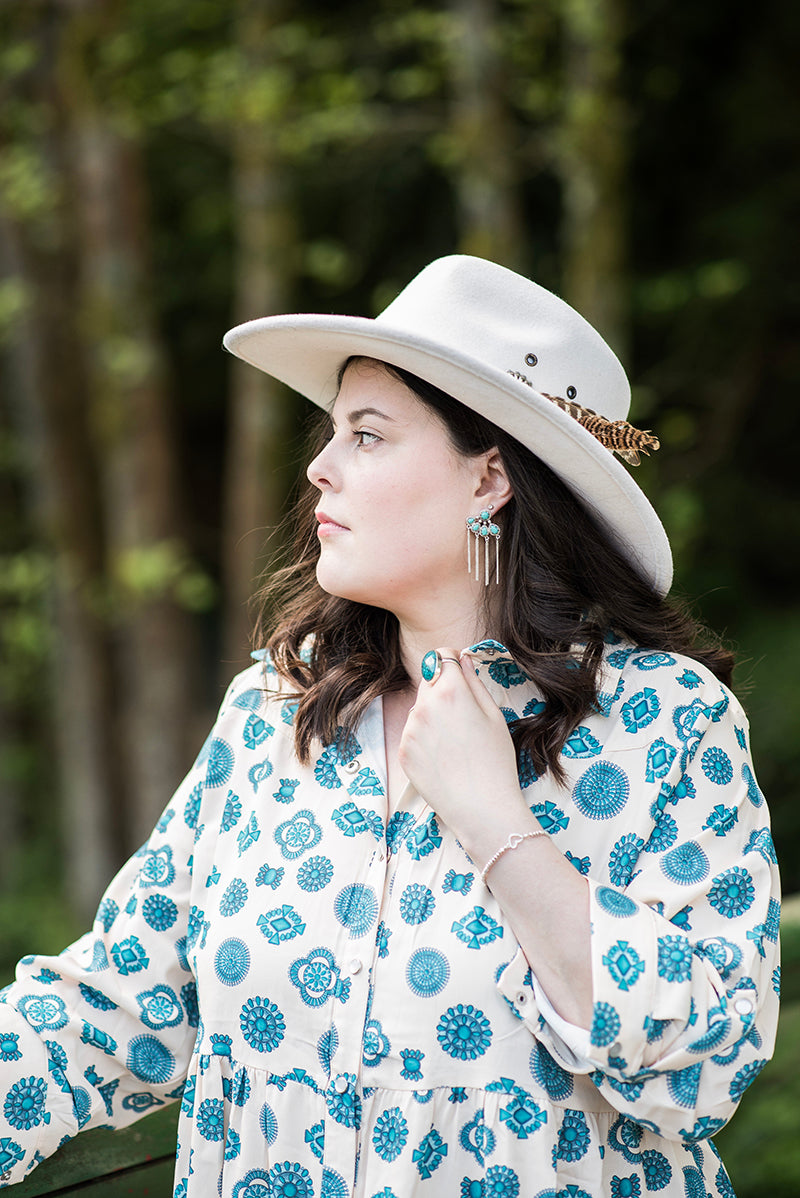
point(338, 1004)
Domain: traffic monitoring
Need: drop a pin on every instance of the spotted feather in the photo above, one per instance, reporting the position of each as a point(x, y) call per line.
point(616, 435)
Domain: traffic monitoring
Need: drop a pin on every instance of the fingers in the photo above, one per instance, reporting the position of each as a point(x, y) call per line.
point(476, 684)
point(438, 669)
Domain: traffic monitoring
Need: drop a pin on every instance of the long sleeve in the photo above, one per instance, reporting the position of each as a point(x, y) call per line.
point(100, 1034)
point(684, 916)
point(363, 1010)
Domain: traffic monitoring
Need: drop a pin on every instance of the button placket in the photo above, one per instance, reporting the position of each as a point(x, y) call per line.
point(356, 961)
point(341, 1134)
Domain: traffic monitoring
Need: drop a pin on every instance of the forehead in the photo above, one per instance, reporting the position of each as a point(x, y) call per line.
point(367, 384)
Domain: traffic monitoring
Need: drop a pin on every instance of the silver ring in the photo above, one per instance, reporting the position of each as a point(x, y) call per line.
point(431, 665)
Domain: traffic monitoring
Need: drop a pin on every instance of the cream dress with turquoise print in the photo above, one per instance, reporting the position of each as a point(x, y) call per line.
point(339, 1006)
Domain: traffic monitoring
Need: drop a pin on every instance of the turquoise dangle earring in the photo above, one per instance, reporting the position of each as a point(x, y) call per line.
point(482, 528)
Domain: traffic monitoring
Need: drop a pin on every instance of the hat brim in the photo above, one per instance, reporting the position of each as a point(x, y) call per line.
point(306, 351)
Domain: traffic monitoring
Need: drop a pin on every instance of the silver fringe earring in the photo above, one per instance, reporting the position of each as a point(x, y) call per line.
point(483, 529)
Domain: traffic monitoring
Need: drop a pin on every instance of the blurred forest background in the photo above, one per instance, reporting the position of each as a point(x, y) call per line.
point(168, 169)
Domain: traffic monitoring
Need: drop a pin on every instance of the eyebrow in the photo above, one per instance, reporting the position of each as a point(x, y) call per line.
point(360, 413)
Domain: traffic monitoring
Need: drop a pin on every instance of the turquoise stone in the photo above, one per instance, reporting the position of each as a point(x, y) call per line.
point(428, 666)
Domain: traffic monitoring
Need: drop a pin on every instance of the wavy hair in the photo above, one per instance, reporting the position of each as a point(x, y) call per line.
point(566, 587)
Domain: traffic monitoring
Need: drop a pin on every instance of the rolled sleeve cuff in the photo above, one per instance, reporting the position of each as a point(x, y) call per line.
point(524, 992)
point(642, 969)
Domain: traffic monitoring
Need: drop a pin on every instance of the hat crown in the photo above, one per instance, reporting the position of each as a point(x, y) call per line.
point(477, 308)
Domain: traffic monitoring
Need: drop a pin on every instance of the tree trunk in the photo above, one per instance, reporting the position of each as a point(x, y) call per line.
point(485, 174)
point(265, 264)
point(592, 160)
point(132, 423)
point(46, 396)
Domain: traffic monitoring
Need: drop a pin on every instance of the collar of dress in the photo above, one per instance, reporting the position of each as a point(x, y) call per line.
point(514, 691)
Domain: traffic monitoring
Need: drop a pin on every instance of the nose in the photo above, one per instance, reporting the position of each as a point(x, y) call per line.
point(320, 472)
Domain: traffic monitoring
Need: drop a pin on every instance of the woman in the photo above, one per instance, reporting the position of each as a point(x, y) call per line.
point(471, 890)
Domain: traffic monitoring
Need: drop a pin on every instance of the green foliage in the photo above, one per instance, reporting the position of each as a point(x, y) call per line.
point(760, 1146)
point(162, 569)
point(15, 300)
point(771, 652)
point(356, 104)
point(790, 955)
point(25, 633)
point(26, 188)
point(35, 915)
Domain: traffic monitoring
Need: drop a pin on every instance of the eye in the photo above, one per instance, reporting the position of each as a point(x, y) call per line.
point(371, 438)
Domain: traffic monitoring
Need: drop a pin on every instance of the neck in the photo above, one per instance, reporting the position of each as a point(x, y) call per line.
point(417, 637)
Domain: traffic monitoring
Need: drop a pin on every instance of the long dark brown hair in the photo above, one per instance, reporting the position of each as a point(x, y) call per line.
point(566, 587)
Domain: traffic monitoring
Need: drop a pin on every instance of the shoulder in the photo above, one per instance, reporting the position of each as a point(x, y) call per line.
point(259, 706)
point(637, 667)
point(640, 688)
point(255, 717)
point(257, 688)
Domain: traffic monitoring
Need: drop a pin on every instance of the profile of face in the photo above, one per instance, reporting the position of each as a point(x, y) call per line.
point(394, 497)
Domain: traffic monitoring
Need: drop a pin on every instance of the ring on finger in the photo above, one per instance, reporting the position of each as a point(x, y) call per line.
point(431, 665)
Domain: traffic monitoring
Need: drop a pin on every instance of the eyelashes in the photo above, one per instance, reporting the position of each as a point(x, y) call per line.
point(362, 444)
point(363, 438)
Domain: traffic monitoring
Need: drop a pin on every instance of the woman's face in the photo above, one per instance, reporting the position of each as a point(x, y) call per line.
point(394, 496)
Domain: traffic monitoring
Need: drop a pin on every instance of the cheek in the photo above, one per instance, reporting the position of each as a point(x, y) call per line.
point(441, 498)
point(414, 510)
point(427, 508)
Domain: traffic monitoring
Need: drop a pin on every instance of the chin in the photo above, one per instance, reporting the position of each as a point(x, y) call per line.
point(333, 584)
point(355, 592)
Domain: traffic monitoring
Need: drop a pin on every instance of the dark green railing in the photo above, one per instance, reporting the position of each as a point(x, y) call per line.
point(138, 1162)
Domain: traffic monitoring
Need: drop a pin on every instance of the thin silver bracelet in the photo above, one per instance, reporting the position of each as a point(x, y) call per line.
point(513, 842)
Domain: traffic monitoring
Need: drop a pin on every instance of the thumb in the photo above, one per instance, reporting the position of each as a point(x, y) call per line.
point(476, 684)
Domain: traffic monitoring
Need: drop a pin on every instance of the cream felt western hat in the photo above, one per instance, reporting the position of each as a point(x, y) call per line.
point(503, 346)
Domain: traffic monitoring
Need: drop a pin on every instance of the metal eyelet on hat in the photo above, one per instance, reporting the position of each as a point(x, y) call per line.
point(572, 392)
point(531, 359)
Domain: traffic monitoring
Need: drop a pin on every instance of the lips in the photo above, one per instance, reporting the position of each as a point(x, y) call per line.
point(327, 524)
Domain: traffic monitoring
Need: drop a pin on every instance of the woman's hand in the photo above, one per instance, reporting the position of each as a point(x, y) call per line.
point(457, 752)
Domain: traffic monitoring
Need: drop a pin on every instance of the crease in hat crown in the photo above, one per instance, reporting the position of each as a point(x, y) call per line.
point(473, 328)
point(499, 318)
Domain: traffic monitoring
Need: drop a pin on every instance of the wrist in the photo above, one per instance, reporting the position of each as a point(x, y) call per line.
point(496, 826)
point(513, 842)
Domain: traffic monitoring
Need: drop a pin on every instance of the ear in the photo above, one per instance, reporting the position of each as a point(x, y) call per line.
point(493, 486)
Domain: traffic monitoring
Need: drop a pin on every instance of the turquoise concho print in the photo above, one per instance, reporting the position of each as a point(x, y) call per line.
point(339, 1005)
